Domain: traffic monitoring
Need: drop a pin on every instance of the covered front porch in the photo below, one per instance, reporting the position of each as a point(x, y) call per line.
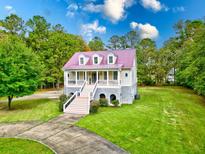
point(104, 77)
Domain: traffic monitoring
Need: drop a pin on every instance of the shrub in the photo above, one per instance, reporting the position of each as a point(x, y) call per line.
point(103, 102)
point(62, 99)
point(61, 106)
point(115, 103)
point(94, 106)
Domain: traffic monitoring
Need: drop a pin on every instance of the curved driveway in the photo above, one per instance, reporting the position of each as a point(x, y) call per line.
point(61, 136)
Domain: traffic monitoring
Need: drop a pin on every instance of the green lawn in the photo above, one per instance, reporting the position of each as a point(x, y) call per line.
point(166, 120)
point(22, 146)
point(29, 110)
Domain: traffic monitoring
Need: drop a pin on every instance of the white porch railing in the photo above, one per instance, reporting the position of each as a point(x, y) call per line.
point(113, 82)
point(109, 83)
point(80, 81)
point(102, 82)
point(71, 82)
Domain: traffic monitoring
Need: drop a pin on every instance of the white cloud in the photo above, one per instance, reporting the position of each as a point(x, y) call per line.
point(91, 7)
point(178, 9)
point(90, 28)
point(145, 30)
point(129, 3)
point(115, 10)
point(9, 9)
point(71, 10)
point(133, 25)
point(155, 5)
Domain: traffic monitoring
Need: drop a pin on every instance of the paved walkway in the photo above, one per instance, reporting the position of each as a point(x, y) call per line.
point(61, 136)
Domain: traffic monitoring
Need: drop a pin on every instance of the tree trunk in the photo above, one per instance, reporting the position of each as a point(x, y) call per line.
point(57, 84)
point(174, 76)
point(53, 85)
point(9, 101)
point(41, 85)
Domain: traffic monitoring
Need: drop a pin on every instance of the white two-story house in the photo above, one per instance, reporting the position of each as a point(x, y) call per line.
point(101, 74)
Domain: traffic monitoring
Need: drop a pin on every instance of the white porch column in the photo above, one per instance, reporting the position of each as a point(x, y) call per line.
point(76, 77)
point(107, 77)
point(86, 76)
point(65, 78)
point(118, 76)
point(97, 76)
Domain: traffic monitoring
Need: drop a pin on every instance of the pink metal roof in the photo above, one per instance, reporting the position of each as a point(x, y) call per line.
point(125, 59)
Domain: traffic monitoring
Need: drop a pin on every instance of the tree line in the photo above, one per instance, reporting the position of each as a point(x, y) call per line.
point(51, 43)
point(182, 55)
point(33, 52)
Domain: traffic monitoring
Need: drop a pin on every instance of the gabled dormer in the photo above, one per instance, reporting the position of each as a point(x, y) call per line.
point(82, 59)
point(111, 58)
point(96, 59)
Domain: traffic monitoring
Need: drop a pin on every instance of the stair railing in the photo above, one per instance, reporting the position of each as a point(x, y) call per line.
point(77, 93)
point(65, 105)
point(92, 95)
point(82, 87)
point(94, 90)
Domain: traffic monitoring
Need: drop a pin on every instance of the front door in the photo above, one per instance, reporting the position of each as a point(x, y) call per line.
point(94, 77)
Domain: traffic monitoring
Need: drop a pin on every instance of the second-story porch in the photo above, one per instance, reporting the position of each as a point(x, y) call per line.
point(102, 77)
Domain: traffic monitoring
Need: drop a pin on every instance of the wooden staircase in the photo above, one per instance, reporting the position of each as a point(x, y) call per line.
point(81, 104)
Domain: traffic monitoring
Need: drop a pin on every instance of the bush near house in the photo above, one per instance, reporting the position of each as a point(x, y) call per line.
point(103, 102)
point(115, 103)
point(94, 106)
point(62, 99)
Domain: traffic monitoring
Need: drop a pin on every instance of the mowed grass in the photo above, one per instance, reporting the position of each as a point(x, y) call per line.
point(166, 120)
point(29, 110)
point(22, 146)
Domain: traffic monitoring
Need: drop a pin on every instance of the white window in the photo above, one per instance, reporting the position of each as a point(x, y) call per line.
point(110, 59)
point(95, 60)
point(81, 61)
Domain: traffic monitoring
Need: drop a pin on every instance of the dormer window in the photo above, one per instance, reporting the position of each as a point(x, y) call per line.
point(81, 61)
point(95, 60)
point(110, 59)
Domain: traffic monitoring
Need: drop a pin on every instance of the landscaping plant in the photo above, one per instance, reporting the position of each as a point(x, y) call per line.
point(103, 102)
point(94, 106)
point(115, 103)
point(62, 99)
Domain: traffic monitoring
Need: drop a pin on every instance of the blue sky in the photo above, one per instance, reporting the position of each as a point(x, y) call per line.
point(151, 18)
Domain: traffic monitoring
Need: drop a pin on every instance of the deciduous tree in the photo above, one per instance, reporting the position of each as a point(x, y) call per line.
point(19, 69)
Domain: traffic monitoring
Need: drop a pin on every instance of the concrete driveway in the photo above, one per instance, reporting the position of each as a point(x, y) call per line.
point(40, 95)
point(62, 136)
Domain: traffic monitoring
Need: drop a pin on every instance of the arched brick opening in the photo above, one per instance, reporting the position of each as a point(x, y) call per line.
point(102, 96)
point(112, 97)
